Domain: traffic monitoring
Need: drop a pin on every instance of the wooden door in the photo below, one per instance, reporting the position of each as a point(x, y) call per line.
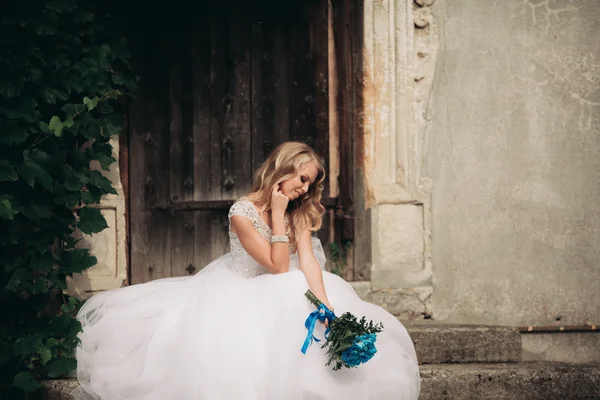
point(218, 91)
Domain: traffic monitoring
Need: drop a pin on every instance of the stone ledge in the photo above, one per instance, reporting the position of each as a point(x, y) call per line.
point(408, 304)
point(531, 381)
point(439, 343)
point(571, 347)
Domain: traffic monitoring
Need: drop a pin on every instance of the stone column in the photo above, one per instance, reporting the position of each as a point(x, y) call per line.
point(400, 45)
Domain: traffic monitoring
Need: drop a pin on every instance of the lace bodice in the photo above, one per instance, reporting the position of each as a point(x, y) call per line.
point(243, 263)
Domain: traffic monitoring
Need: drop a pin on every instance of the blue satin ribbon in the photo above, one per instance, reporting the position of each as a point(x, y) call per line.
point(321, 314)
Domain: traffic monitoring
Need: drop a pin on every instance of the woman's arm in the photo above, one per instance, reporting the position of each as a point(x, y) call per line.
point(311, 268)
point(274, 257)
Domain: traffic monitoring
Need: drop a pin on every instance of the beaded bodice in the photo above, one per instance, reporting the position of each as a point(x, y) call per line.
point(243, 263)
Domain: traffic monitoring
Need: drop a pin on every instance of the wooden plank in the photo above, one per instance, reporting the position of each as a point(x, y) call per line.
point(219, 236)
point(300, 79)
point(149, 163)
point(220, 98)
point(201, 90)
point(263, 86)
point(361, 254)
point(236, 130)
point(319, 50)
point(333, 168)
point(181, 148)
point(281, 88)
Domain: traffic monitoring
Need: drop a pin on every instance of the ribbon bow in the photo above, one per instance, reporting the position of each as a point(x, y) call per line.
point(321, 314)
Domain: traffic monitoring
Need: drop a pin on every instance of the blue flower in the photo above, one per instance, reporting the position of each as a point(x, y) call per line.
point(361, 351)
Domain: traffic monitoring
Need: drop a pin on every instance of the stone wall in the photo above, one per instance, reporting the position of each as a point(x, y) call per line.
point(513, 152)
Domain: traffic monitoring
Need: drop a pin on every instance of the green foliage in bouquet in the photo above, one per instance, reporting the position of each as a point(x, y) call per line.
point(350, 342)
point(343, 335)
point(63, 70)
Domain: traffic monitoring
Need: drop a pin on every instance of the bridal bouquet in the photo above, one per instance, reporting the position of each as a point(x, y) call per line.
point(349, 342)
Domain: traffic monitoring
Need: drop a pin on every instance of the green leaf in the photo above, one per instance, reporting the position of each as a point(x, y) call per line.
point(77, 260)
point(42, 263)
point(7, 171)
point(56, 126)
point(26, 382)
point(32, 172)
point(61, 6)
point(96, 178)
point(42, 158)
point(44, 127)
point(11, 133)
point(47, 24)
point(72, 183)
point(58, 281)
point(102, 153)
point(87, 198)
point(34, 74)
point(6, 210)
point(105, 161)
point(91, 220)
point(71, 109)
point(24, 108)
point(82, 16)
point(46, 29)
point(45, 356)
point(90, 103)
point(8, 90)
point(41, 211)
point(51, 95)
point(61, 367)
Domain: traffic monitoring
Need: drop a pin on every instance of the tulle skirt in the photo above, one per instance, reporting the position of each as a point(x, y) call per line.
point(217, 335)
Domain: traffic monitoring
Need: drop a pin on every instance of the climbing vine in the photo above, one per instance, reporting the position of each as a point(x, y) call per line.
point(64, 71)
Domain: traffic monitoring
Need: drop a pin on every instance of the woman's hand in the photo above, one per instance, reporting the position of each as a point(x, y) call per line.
point(326, 323)
point(279, 201)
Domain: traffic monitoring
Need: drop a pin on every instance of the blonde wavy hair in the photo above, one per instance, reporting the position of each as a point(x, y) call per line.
point(305, 212)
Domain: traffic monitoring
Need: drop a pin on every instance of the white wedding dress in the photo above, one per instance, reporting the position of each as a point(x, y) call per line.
point(232, 332)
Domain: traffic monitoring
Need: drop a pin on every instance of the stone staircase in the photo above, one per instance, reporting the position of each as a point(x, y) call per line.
point(463, 362)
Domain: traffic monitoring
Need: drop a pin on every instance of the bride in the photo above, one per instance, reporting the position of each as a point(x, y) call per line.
point(234, 331)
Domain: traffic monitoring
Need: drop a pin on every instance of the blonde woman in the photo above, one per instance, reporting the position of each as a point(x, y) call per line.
point(234, 330)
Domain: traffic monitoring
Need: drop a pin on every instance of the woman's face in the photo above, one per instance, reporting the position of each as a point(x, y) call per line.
point(298, 185)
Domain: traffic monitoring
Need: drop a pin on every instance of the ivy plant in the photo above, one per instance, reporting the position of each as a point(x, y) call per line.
point(64, 71)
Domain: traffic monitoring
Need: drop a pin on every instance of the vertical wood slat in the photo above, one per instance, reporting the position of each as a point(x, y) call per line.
point(263, 88)
point(149, 163)
point(236, 130)
point(320, 76)
point(201, 126)
point(220, 99)
point(280, 79)
point(343, 35)
point(181, 149)
point(361, 253)
point(334, 129)
point(300, 72)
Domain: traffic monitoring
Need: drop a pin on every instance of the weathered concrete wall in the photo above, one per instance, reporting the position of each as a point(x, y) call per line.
point(514, 155)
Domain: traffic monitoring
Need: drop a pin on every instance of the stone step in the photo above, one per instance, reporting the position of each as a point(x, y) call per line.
point(440, 343)
point(520, 381)
point(499, 381)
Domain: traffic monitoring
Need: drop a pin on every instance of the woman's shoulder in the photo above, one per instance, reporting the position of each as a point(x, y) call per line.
point(243, 207)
